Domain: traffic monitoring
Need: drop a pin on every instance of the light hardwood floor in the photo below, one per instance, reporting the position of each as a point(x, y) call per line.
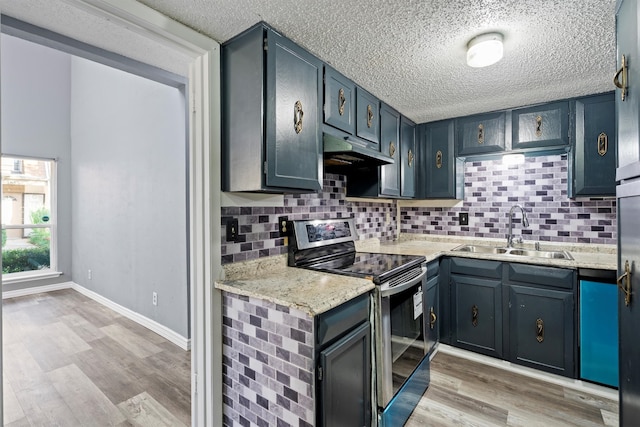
point(70, 361)
point(467, 393)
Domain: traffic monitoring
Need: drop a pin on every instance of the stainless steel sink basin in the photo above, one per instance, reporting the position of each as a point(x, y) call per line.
point(514, 252)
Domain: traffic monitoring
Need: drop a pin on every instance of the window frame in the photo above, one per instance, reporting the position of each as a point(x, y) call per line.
point(52, 271)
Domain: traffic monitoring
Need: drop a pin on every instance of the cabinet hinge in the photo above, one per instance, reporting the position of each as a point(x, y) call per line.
point(320, 373)
point(265, 46)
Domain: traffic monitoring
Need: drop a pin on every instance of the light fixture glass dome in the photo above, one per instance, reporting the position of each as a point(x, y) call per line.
point(484, 50)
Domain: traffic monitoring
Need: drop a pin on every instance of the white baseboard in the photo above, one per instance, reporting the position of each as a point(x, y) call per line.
point(163, 331)
point(583, 386)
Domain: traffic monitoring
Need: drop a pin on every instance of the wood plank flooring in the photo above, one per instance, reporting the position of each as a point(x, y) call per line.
point(467, 393)
point(70, 361)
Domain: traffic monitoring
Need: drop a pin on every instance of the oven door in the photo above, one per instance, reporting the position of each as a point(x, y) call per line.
point(400, 339)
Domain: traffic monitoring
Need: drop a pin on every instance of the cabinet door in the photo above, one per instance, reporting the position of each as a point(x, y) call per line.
point(345, 380)
point(439, 162)
point(432, 312)
point(293, 131)
point(367, 117)
point(541, 329)
point(594, 153)
point(541, 126)
point(477, 314)
point(481, 134)
point(390, 145)
point(627, 109)
point(408, 158)
point(339, 101)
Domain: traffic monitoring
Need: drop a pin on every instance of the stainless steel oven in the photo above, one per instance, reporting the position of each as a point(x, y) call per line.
point(401, 364)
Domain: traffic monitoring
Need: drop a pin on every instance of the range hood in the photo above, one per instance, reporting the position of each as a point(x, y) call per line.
point(348, 152)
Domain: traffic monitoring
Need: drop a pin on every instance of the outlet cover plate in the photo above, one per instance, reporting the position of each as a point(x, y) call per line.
point(282, 226)
point(232, 230)
point(464, 218)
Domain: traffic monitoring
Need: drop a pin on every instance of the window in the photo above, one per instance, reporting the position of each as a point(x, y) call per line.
point(28, 218)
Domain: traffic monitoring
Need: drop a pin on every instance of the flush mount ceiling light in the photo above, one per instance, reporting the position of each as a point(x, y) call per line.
point(484, 50)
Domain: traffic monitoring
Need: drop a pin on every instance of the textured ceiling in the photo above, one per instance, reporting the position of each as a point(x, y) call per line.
point(411, 53)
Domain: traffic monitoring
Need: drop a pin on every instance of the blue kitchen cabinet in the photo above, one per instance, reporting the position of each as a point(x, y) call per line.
point(441, 174)
point(627, 96)
point(594, 147)
point(481, 134)
point(390, 145)
point(271, 115)
point(408, 158)
point(599, 332)
point(540, 126)
point(339, 101)
point(540, 317)
point(476, 305)
point(367, 117)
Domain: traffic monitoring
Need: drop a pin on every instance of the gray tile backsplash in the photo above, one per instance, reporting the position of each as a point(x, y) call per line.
point(491, 188)
point(258, 226)
point(539, 185)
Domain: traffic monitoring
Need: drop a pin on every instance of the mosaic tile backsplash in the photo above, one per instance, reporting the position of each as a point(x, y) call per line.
point(258, 226)
point(539, 185)
point(267, 358)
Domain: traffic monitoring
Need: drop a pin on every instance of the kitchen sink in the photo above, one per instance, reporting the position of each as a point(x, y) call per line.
point(518, 252)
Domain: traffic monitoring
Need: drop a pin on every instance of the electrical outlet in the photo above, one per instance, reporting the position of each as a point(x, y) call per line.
point(463, 218)
point(282, 226)
point(89, 274)
point(155, 298)
point(232, 230)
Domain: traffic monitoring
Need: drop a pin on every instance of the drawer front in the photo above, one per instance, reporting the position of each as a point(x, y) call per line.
point(541, 126)
point(339, 101)
point(337, 321)
point(542, 276)
point(476, 267)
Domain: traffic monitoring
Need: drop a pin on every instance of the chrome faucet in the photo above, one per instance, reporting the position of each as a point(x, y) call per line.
point(525, 223)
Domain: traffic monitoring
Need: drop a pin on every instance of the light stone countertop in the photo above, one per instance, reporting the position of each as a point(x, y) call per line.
point(316, 292)
point(309, 291)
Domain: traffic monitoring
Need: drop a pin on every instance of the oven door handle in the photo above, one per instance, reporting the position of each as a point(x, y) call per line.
point(387, 291)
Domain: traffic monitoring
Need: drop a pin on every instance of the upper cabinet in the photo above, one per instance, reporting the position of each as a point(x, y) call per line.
point(541, 126)
point(339, 101)
point(408, 161)
point(271, 120)
point(627, 95)
point(390, 145)
point(367, 117)
point(594, 147)
point(482, 133)
point(440, 171)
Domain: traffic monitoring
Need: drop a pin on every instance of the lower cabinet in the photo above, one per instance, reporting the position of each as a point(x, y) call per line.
point(523, 313)
point(343, 348)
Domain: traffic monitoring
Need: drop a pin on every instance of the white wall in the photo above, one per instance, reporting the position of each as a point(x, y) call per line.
point(35, 122)
point(129, 191)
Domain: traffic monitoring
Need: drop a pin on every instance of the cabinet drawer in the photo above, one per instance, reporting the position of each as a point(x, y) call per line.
point(541, 126)
point(543, 276)
point(367, 116)
point(339, 101)
point(337, 321)
point(475, 267)
point(481, 134)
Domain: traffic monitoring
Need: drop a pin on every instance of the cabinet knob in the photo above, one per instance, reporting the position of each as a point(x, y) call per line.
point(298, 114)
point(480, 133)
point(432, 318)
point(474, 315)
point(539, 330)
point(603, 144)
point(341, 101)
point(626, 286)
point(369, 116)
point(539, 126)
point(392, 149)
point(620, 79)
point(410, 158)
point(439, 159)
